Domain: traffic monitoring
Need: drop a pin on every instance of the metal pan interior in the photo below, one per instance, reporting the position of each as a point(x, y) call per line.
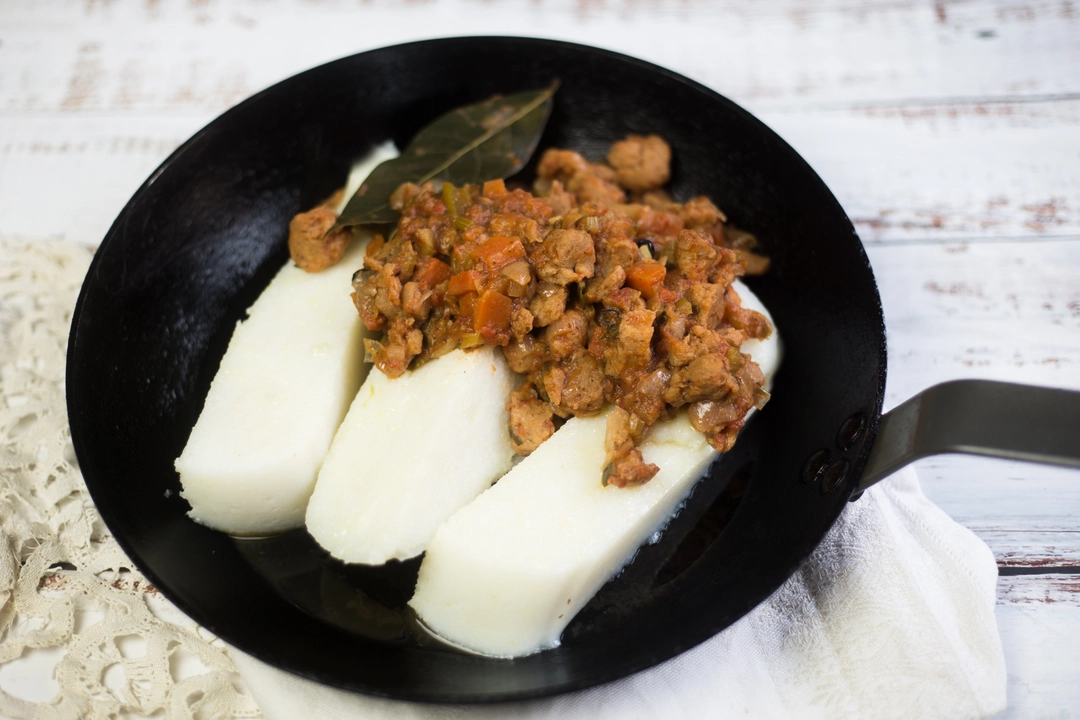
point(202, 237)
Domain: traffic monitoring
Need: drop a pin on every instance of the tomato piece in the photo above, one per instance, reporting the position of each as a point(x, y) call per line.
point(430, 272)
point(499, 251)
point(646, 277)
point(465, 282)
point(667, 295)
point(491, 318)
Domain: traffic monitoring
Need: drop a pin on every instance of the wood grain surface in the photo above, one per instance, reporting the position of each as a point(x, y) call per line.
point(948, 130)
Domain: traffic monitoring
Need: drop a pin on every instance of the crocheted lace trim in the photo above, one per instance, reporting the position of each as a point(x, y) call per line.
point(65, 584)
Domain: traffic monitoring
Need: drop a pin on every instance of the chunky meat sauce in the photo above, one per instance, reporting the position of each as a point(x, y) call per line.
point(598, 287)
point(312, 245)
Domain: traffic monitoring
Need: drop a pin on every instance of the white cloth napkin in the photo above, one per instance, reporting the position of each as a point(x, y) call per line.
point(891, 617)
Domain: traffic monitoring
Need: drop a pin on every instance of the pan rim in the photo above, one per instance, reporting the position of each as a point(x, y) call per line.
point(75, 418)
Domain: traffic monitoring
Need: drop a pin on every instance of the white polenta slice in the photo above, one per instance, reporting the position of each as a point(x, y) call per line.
point(410, 453)
point(285, 382)
point(504, 575)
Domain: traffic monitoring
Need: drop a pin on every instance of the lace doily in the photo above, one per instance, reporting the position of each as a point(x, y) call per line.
point(65, 585)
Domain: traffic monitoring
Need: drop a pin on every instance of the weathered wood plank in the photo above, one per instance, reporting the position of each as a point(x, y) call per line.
point(1059, 590)
point(904, 169)
point(1029, 515)
point(902, 172)
point(1004, 311)
point(928, 170)
point(1039, 620)
point(70, 176)
point(783, 53)
point(995, 310)
point(997, 497)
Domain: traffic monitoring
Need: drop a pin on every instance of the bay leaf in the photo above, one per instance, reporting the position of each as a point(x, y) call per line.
point(488, 140)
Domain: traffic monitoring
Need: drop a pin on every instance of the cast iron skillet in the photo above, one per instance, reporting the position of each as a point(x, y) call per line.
point(206, 232)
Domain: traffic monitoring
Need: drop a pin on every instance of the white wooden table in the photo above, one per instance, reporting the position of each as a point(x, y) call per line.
point(949, 131)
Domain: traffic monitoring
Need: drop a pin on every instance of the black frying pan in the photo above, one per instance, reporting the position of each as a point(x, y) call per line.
point(202, 237)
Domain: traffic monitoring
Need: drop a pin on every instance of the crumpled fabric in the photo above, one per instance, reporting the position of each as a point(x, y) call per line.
point(65, 584)
point(891, 617)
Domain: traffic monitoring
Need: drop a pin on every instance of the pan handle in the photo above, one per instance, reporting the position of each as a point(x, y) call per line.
point(978, 417)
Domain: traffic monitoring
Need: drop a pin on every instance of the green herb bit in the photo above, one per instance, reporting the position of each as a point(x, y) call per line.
point(471, 340)
point(449, 198)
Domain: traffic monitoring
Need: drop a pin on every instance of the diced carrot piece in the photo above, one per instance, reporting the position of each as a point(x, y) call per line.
point(430, 272)
point(499, 251)
point(494, 188)
point(491, 318)
point(375, 245)
point(467, 304)
point(465, 282)
point(646, 277)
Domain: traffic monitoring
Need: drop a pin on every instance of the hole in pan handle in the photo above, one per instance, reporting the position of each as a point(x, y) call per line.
point(978, 417)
